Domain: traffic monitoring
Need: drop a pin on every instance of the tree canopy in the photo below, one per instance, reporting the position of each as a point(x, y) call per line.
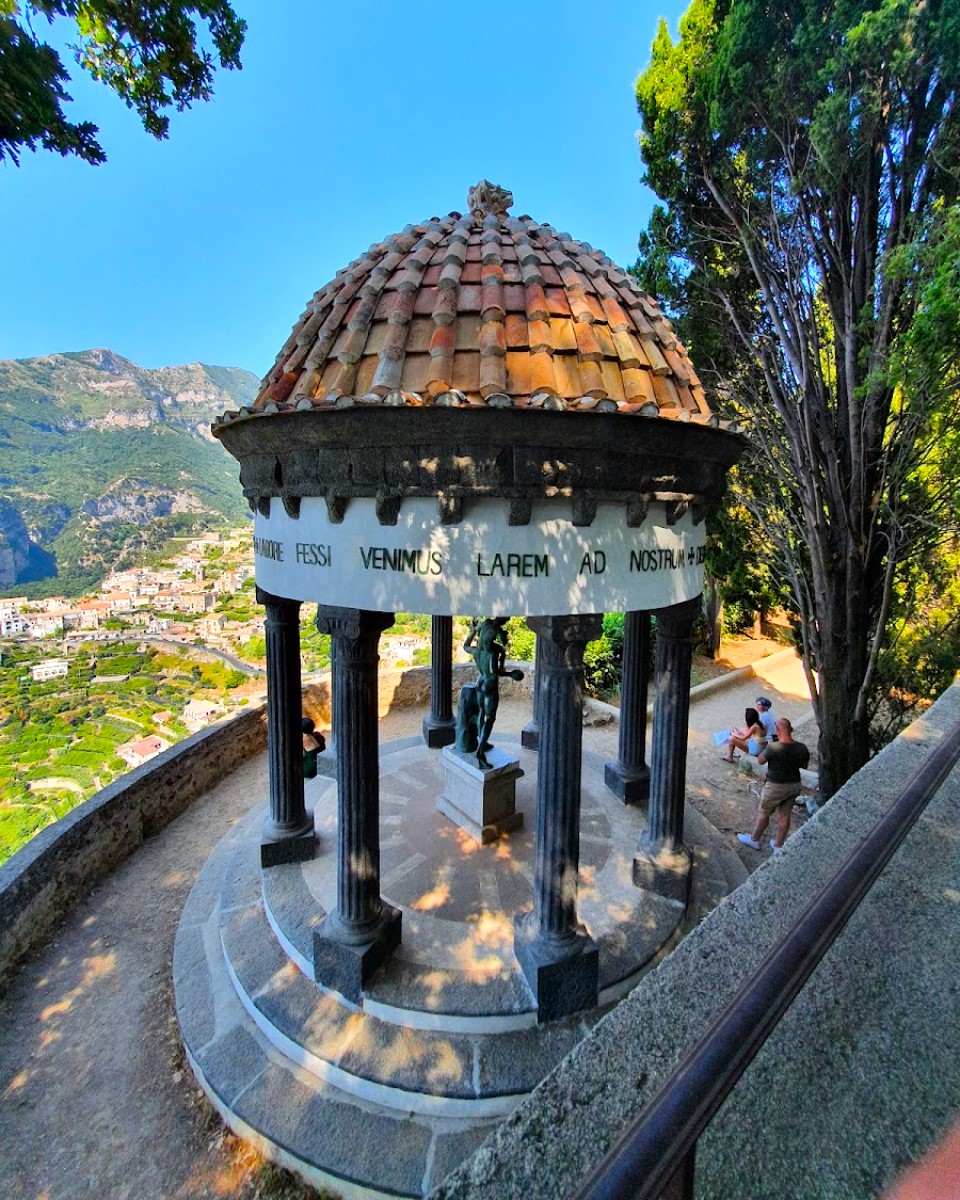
point(150, 53)
point(807, 155)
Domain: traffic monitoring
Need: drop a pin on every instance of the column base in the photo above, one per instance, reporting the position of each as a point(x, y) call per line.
point(530, 736)
point(438, 733)
point(664, 870)
point(278, 847)
point(347, 967)
point(632, 787)
point(563, 976)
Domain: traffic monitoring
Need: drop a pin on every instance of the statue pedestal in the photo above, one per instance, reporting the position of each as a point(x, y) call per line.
point(484, 803)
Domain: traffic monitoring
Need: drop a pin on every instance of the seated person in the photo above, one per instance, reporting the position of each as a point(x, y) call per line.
point(313, 744)
point(767, 719)
point(751, 739)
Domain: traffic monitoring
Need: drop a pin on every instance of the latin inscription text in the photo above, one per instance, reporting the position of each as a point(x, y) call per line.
point(520, 566)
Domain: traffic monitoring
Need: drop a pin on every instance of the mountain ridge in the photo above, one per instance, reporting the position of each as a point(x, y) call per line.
point(101, 458)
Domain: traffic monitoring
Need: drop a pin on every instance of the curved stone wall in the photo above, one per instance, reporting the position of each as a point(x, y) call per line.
point(41, 882)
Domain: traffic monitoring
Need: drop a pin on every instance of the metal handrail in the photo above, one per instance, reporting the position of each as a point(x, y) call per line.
point(654, 1157)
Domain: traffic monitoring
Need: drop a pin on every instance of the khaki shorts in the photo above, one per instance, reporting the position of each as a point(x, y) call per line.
point(777, 795)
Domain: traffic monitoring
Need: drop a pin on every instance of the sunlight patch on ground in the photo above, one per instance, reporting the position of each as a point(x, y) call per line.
point(97, 967)
point(437, 897)
point(440, 1061)
point(468, 845)
point(475, 963)
point(435, 981)
point(20, 1080)
point(494, 930)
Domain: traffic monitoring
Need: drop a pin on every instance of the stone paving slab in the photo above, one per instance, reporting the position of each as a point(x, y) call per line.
point(462, 935)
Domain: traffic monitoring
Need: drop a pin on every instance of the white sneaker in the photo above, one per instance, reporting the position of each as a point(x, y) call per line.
point(747, 840)
point(774, 846)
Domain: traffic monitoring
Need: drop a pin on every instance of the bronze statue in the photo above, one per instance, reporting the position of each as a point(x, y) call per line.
point(477, 709)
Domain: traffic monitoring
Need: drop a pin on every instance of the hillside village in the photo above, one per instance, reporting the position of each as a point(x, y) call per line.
point(176, 599)
point(94, 686)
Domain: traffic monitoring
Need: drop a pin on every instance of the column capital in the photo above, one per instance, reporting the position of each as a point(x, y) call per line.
point(351, 622)
point(269, 600)
point(564, 631)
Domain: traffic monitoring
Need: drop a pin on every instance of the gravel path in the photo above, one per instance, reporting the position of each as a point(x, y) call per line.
point(95, 1099)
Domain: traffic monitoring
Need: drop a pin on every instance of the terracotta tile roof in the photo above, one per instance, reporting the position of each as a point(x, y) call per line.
point(484, 309)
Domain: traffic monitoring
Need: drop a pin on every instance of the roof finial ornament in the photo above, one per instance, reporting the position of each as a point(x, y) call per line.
point(488, 197)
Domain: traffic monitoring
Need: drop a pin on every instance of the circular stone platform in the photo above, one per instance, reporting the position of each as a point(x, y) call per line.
point(386, 1098)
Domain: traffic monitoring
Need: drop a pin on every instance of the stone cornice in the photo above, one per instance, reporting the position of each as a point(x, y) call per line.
point(454, 455)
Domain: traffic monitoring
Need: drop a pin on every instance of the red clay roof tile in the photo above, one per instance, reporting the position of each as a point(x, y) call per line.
point(403, 320)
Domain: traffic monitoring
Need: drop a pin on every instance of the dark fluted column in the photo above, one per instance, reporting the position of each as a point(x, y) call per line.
point(288, 830)
point(662, 862)
point(558, 957)
point(362, 931)
point(530, 734)
point(629, 776)
point(440, 727)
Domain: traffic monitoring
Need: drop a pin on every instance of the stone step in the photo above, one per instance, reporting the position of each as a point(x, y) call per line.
point(421, 1070)
point(332, 1139)
point(386, 1096)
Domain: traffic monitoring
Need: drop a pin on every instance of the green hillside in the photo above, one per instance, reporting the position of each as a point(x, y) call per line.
point(101, 459)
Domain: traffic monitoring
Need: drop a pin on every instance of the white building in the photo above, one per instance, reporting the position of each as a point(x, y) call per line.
point(45, 624)
point(50, 668)
point(198, 713)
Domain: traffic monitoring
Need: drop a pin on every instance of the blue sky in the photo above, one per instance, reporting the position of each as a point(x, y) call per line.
point(347, 122)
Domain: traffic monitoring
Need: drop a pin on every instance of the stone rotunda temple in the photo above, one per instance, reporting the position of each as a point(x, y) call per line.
point(478, 416)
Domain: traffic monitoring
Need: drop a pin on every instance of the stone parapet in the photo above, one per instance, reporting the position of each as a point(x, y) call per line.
point(62, 863)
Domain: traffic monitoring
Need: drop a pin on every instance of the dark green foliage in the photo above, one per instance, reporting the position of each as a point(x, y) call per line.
point(603, 659)
point(148, 53)
point(314, 646)
point(521, 640)
point(18, 824)
point(807, 156)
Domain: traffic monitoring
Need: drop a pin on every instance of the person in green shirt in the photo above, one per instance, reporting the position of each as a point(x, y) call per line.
point(785, 759)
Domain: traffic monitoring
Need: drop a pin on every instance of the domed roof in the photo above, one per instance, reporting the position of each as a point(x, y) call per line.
point(484, 309)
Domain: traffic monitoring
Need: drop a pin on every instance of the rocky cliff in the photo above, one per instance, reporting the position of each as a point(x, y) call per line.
point(99, 457)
